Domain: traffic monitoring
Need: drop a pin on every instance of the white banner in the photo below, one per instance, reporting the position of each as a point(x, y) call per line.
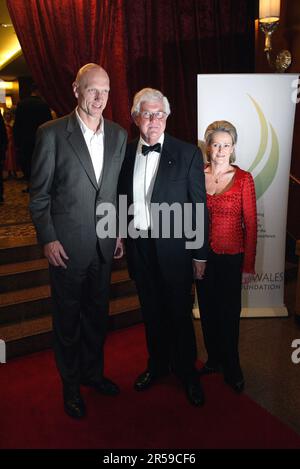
point(262, 108)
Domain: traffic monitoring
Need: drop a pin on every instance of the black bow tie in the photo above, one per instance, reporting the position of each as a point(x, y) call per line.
point(146, 149)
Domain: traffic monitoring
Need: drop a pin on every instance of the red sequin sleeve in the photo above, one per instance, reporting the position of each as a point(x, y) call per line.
point(250, 223)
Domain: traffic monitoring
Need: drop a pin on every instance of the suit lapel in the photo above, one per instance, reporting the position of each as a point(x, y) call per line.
point(78, 144)
point(165, 162)
point(108, 144)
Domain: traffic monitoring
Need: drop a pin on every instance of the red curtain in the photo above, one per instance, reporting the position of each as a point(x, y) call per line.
point(157, 43)
point(171, 41)
point(59, 36)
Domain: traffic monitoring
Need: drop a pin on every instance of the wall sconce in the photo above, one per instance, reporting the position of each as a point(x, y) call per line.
point(6, 85)
point(269, 13)
point(8, 101)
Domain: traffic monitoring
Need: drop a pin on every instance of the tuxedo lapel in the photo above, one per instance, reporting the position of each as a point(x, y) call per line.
point(165, 163)
point(130, 169)
point(78, 144)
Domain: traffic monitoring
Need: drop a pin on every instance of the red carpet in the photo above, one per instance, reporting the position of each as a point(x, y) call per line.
point(32, 416)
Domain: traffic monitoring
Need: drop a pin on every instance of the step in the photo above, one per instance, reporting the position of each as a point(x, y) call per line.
point(29, 344)
point(28, 274)
point(119, 264)
point(121, 284)
point(24, 304)
point(40, 325)
point(123, 305)
point(13, 332)
point(124, 312)
point(23, 275)
point(13, 250)
point(35, 334)
point(35, 273)
point(26, 337)
point(32, 302)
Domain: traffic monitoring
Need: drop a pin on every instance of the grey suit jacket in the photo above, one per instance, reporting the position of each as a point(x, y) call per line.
point(64, 192)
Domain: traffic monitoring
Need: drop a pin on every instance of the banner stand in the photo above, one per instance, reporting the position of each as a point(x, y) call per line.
point(262, 108)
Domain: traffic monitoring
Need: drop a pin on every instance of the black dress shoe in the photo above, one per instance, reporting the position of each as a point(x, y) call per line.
point(237, 386)
point(74, 405)
point(195, 394)
point(207, 370)
point(104, 386)
point(144, 380)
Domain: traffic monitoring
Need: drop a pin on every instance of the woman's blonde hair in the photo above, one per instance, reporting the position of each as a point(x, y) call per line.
point(220, 126)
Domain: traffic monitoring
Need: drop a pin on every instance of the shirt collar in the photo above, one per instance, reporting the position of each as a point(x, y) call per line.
point(84, 127)
point(142, 142)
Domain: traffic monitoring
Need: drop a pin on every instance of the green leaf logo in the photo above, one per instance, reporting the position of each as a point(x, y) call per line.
point(264, 179)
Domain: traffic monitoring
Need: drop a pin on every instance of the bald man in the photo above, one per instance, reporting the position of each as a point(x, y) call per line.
point(76, 165)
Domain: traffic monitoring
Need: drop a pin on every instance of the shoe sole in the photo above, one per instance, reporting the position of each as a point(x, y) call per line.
point(73, 416)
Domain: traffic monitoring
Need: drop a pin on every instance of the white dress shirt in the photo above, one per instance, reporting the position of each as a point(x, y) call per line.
point(145, 169)
point(95, 144)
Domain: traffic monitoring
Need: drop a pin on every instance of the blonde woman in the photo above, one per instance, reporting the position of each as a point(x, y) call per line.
point(231, 205)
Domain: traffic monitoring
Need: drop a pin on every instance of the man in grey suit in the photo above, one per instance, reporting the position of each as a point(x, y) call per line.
point(75, 167)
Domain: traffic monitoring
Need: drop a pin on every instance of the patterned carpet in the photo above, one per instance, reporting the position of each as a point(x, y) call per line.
point(15, 219)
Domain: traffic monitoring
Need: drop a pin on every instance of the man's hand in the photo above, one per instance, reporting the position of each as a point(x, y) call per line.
point(55, 254)
point(199, 269)
point(119, 249)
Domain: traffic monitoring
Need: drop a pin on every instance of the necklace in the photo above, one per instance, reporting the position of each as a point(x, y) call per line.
point(217, 178)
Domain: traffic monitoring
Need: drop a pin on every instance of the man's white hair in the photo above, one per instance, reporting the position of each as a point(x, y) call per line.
point(149, 94)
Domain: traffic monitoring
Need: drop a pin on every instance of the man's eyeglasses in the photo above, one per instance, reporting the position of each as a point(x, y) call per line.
point(153, 115)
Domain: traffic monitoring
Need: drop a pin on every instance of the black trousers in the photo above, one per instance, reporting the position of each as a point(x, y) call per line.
point(24, 157)
point(80, 317)
point(219, 298)
point(167, 313)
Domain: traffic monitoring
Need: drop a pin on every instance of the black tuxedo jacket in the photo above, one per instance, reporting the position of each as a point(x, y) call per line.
point(179, 179)
point(31, 112)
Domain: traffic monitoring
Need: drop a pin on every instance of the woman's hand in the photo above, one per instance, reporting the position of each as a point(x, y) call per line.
point(247, 278)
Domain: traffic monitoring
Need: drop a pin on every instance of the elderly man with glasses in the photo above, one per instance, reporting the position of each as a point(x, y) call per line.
point(162, 172)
